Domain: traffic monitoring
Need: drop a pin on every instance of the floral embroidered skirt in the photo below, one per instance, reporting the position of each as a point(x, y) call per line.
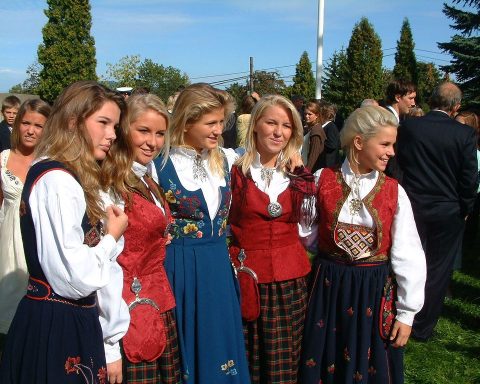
point(207, 311)
point(52, 342)
point(342, 342)
point(274, 340)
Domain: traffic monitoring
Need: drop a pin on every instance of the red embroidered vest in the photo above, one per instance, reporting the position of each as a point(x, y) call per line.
point(272, 245)
point(142, 258)
point(381, 203)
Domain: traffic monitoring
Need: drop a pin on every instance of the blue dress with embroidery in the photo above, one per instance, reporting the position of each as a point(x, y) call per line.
point(52, 339)
point(205, 287)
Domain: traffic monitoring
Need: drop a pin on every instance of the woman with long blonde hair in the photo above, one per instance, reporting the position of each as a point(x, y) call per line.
point(196, 181)
point(70, 244)
point(266, 249)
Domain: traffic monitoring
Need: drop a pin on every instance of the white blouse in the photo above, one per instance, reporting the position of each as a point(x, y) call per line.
point(406, 254)
point(183, 160)
point(72, 268)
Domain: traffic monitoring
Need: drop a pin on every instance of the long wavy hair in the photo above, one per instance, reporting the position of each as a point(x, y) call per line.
point(293, 145)
point(193, 102)
point(65, 139)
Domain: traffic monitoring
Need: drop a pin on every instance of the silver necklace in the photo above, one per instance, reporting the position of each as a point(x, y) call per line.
point(266, 174)
point(356, 202)
point(274, 208)
point(199, 171)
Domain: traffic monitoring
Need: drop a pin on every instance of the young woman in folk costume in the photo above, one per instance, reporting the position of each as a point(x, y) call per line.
point(150, 346)
point(268, 203)
point(56, 335)
point(358, 317)
point(195, 178)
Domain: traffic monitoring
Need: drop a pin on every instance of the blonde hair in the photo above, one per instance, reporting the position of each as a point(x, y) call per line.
point(366, 123)
point(65, 139)
point(293, 145)
point(193, 102)
point(31, 105)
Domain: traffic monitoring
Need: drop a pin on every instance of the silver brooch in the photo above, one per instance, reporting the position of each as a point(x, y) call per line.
point(266, 174)
point(274, 209)
point(199, 171)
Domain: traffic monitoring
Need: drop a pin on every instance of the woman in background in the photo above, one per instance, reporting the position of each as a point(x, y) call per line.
point(14, 165)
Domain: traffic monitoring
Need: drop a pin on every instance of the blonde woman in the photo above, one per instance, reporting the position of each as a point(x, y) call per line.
point(196, 180)
point(266, 240)
point(359, 319)
point(56, 335)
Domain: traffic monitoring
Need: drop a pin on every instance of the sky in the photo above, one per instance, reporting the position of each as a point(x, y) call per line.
point(213, 40)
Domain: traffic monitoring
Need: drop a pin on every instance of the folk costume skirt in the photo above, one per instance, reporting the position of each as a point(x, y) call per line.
point(166, 369)
point(54, 342)
point(274, 340)
point(342, 341)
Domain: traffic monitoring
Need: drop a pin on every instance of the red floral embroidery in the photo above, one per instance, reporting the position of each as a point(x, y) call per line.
point(327, 282)
point(310, 363)
point(346, 354)
point(320, 323)
point(71, 365)
point(369, 312)
point(369, 353)
point(372, 371)
point(102, 375)
point(357, 376)
point(350, 311)
point(331, 369)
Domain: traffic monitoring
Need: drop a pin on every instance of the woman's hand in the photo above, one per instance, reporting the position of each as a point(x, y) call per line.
point(400, 334)
point(114, 372)
point(116, 223)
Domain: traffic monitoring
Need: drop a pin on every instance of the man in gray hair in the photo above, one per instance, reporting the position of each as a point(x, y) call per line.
point(439, 162)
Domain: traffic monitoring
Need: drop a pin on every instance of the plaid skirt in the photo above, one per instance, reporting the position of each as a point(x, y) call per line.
point(166, 369)
point(273, 341)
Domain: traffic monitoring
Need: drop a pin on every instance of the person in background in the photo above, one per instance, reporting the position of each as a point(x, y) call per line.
point(330, 157)
point(58, 324)
point(243, 119)
point(196, 180)
point(299, 102)
point(274, 294)
point(125, 91)
point(14, 164)
point(369, 271)
point(314, 140)
point(438, 159)
point(367, 102)
point(10, 107)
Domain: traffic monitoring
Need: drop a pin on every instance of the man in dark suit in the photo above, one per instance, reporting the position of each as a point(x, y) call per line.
point(10, 106)
point(437, 156)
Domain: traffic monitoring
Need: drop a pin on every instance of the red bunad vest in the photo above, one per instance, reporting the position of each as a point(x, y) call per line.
point(272, 245)
point(142, 261)
point(381, 203)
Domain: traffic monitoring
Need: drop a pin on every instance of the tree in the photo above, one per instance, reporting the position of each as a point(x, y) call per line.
point(465, 49)
point(162, 81)
point(428, 78)
point(125, 72)
point(364, 66)
point(304, 81)
point(68, 51)
point(268, 83)
point(405, 61)
point(237, 91)
point(335, 83)
point(30, 85)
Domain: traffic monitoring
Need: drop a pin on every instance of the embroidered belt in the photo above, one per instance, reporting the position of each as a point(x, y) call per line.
point(136, 287)
point(42, 291)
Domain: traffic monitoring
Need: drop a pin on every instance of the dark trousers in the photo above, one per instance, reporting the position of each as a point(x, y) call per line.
point(442, 241)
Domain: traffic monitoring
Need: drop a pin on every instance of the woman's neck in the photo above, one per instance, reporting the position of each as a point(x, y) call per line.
point(269, 161)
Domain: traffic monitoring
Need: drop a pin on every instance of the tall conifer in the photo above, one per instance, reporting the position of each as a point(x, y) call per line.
point(405, 61)
point(304, 81)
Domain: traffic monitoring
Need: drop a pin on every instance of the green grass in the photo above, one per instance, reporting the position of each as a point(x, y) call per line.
point(453, 355)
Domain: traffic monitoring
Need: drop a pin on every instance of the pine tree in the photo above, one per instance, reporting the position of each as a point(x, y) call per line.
point(428, 77)
point(304, 81)
point(465, 49)
point(405, 61)
point(335, 84)
point(68, 51)
point(364, 66)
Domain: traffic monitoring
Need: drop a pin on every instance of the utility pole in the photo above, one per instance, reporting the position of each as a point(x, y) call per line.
point(318, 90)
point(250, 84)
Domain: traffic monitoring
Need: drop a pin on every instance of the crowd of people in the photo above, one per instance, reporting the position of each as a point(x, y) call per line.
point(135, 247)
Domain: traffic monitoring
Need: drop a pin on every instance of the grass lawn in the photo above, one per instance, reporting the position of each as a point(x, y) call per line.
point(453, 354)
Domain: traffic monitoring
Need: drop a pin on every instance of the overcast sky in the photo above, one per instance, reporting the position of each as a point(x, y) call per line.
point(209, 38)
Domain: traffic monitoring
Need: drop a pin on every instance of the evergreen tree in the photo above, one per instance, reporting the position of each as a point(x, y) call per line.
point(465, 49)
point(364, 66)
point(335, 85)
point(428, 77)
point(304, 81)
point(68, 51)
point(405, 61)
point(125, 72)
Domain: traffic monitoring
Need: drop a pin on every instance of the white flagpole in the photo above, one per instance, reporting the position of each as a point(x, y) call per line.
point(318, 90)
